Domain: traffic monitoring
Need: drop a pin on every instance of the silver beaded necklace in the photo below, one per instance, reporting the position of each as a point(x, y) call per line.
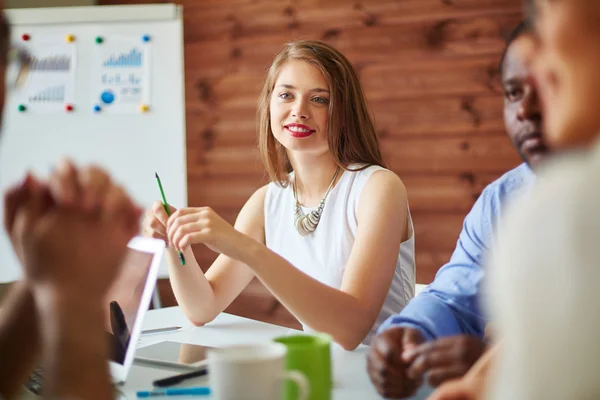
point(307, 223)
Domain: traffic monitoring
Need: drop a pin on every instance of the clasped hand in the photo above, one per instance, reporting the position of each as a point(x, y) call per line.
point(71, 231)
point(193, 225)
point(400, 360)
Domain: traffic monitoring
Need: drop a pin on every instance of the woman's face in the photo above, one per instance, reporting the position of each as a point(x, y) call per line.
point(300, 108)
point(567, 68)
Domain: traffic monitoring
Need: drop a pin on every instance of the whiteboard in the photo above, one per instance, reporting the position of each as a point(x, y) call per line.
point(131, 145)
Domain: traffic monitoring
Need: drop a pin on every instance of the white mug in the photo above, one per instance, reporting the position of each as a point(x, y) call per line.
point(252, 372)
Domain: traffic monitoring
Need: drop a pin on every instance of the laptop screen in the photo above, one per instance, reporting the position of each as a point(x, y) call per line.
point(123, 301)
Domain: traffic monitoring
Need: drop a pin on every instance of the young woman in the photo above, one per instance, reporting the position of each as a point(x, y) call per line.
point(544, 275)
point(331, 236)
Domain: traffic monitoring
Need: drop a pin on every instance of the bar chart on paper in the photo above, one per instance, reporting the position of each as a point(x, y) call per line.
point(133, 59)
point(123, 80)
point(51, 94)
point(50, 84)
point(51, 63)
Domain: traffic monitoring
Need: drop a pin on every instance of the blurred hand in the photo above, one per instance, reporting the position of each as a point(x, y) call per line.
point(458, 389)
point(13, 199)
point(473, 385)
point(443, 359)
point(64, 243)
point(89, 188)
point(155, 222)
point(202, 225)
point(387, 369)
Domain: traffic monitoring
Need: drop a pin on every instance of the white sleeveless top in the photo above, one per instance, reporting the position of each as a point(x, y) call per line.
point(324, 254)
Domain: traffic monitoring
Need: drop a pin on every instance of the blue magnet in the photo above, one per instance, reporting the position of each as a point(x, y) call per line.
point(146, 38)
point(107, 97)
point(97, 108)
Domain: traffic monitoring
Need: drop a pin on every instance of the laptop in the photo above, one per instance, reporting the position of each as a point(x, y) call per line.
point(126, 302)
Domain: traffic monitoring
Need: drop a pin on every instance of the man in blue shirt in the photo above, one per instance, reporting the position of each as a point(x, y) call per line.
point(439, 334)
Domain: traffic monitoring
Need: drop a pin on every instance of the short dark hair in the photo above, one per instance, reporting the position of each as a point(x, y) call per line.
point(523, 27)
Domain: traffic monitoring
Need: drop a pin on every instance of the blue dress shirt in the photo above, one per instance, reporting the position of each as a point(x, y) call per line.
point(450, 305)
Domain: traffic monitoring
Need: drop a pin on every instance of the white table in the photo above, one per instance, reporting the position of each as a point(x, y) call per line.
point(350, 378)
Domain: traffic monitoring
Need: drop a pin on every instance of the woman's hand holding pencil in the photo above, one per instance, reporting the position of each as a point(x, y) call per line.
point(155, 221)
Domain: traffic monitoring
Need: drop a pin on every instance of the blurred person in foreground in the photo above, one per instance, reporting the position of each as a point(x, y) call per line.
point(70, 234)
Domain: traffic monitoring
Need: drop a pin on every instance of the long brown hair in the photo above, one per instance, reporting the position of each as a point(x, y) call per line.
point(350, 132)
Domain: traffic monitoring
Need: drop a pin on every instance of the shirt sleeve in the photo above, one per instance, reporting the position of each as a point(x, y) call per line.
point(450, 305)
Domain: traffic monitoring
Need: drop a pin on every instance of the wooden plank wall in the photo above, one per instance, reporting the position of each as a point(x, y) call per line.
point(429, 69)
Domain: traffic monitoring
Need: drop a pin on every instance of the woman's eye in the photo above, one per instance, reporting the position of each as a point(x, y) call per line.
point(285, 96)
point(321, 100)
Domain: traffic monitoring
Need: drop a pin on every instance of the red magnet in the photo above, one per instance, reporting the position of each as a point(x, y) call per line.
point(25, 37)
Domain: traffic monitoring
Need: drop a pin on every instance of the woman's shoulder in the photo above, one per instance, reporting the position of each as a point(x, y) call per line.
point(376, 176)
point(256, 201)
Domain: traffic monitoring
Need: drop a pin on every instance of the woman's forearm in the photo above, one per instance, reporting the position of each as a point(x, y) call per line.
point(192, 290)
point(321, 307)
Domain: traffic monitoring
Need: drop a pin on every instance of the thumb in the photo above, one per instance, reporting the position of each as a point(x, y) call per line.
point(411, 339)
point(16, 197)
point(410, 342)
point(28, 214)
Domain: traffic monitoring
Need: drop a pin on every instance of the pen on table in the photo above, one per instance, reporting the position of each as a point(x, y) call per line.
point(166, 206)
point(191, 391)
point(160, 330)
point(175, 379)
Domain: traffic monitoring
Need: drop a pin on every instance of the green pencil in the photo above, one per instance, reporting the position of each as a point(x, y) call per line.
point(166, 206)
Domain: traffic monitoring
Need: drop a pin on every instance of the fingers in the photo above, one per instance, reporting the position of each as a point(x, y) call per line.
point(190, 210)
point(454, 390)
point(15, 197)
point(437, 376)
point(177, 221)
point(185, 235)
point(188, 226)
point(158, 209)
point(120, 209)
point(389, 344)
point(449, 357)
point(386, 368)
point(94, 185)
point(411, 339)
point(378, 373)
point(411, 354)
point(381, 368)
point(153, 228)
point(155, 222)
point(28, 213)
point(429, 360)
point(89, 188)
point(64, 184)
point(185, 213)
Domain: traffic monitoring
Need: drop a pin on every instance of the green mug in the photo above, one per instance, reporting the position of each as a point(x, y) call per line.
point(311, 355)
